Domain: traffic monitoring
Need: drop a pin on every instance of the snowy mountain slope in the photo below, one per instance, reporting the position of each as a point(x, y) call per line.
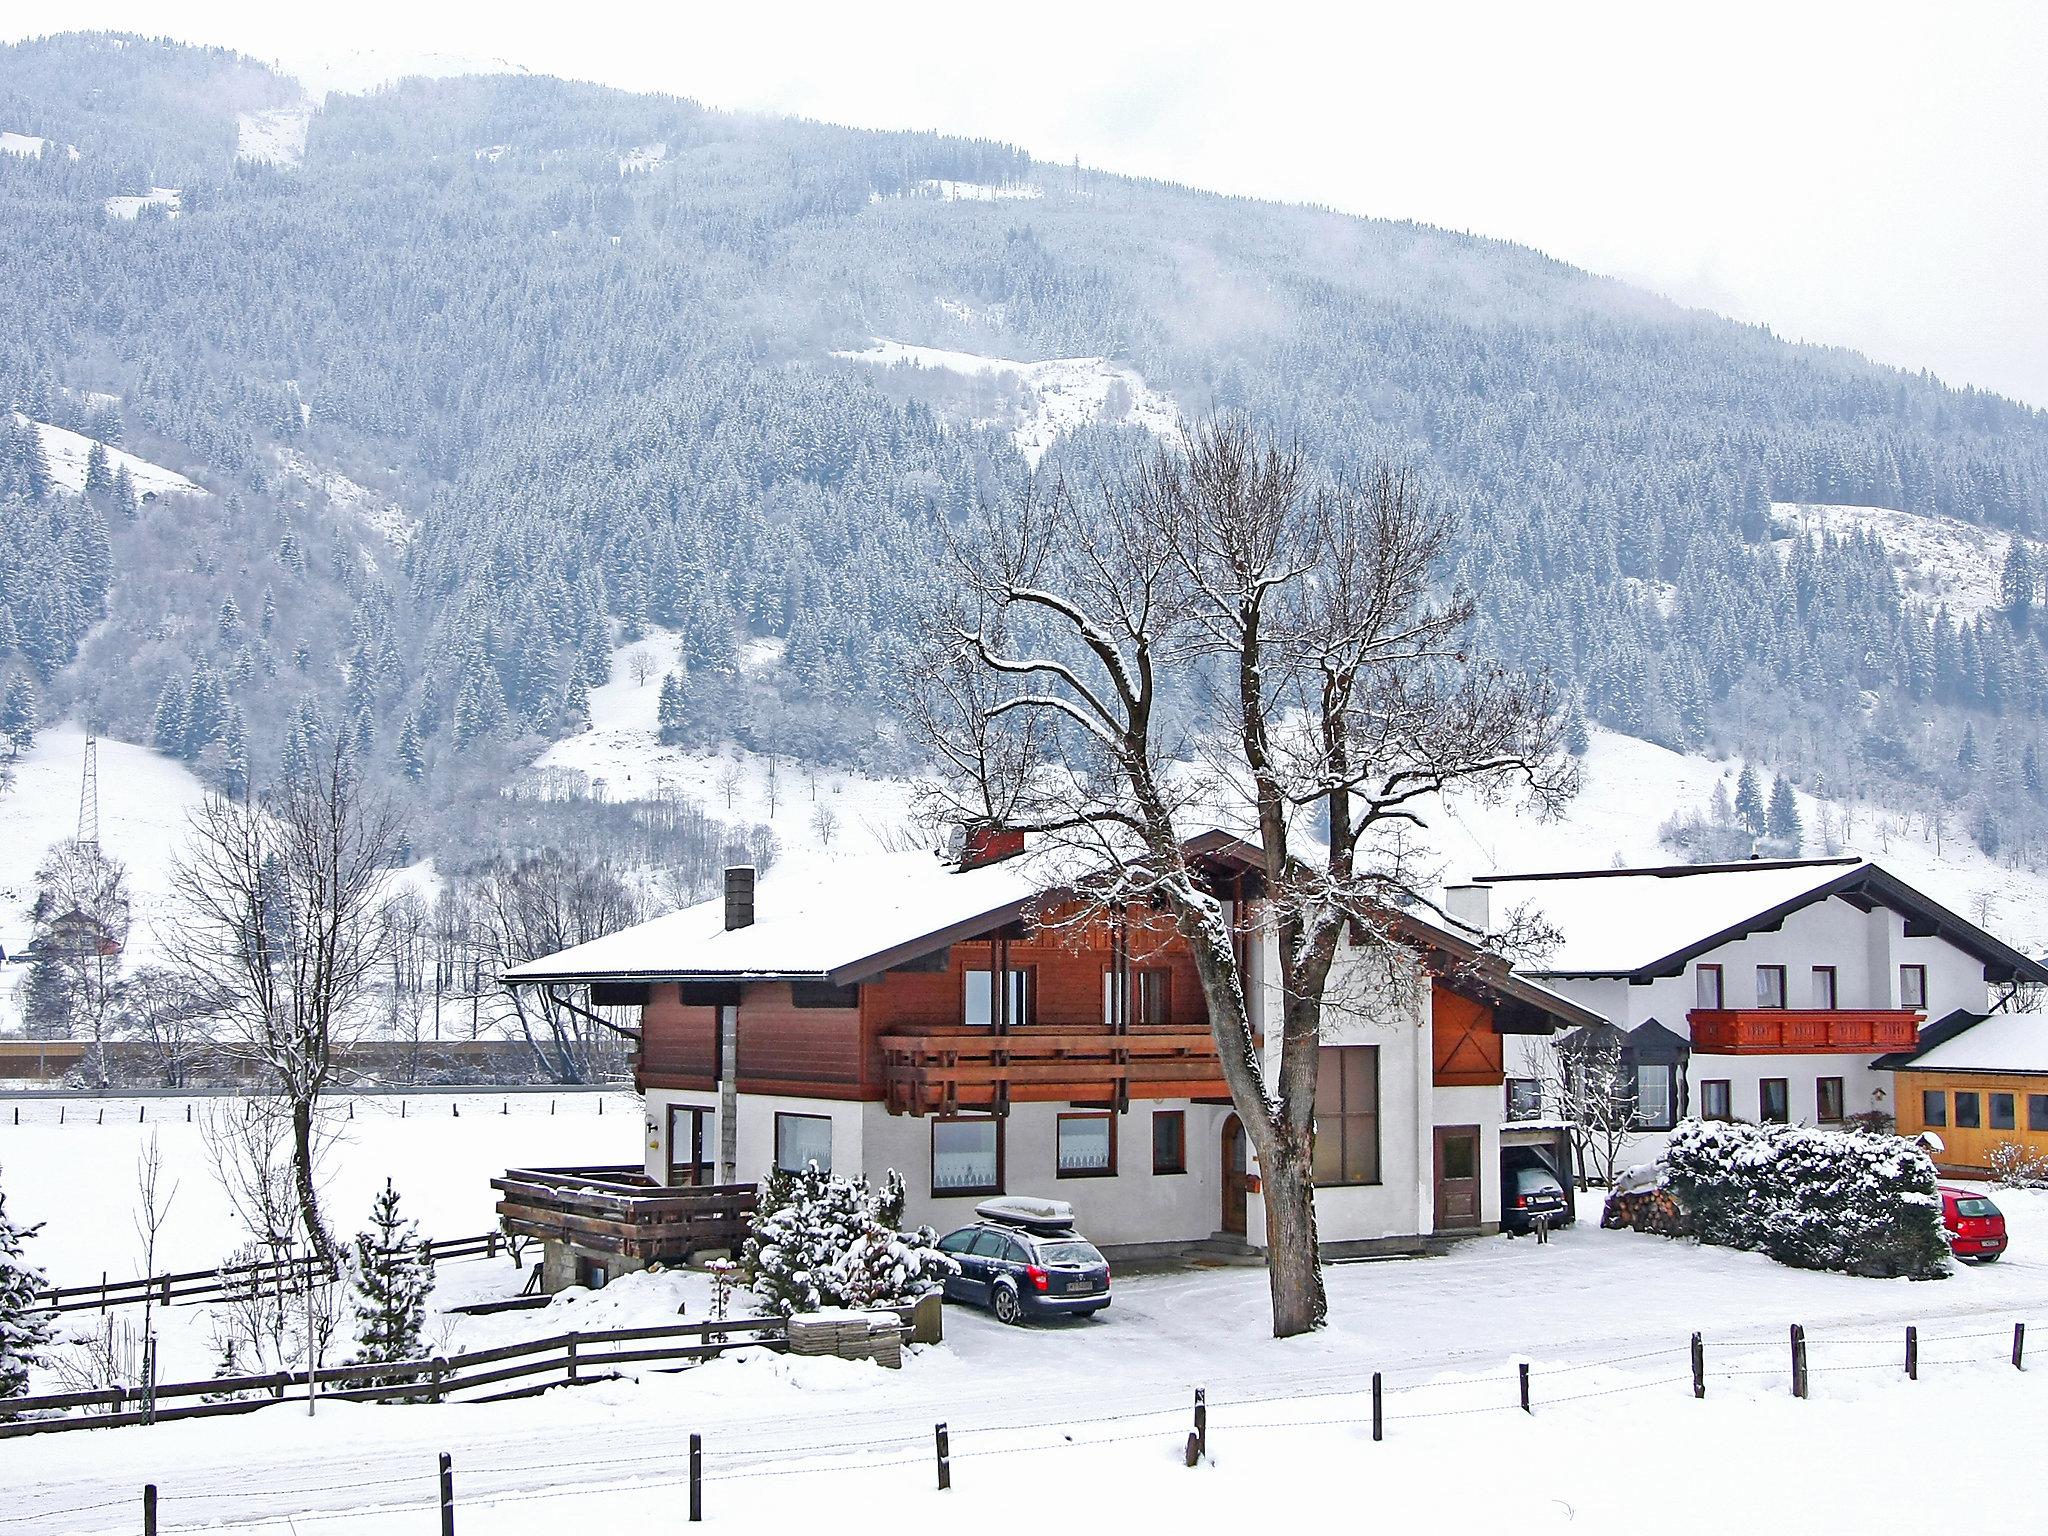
point(130, 207)
point(67, 452)
point(364, 69)
point(28, 145)
point(1056, 395)
point(277, 136)
point(380, 514)
point(1940, 560)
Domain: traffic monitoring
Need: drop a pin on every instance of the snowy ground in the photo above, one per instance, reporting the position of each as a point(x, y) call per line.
point(277, 135)
point(381, 515)
point(128, 207)
point(1095, 1413)
point(28, 145)
point(981, 191)
point(67, 452)
point(1058, 394)
point(1938, 559)
point(644, 157)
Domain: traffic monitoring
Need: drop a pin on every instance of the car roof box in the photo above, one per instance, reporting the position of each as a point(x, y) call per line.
point(1024, 1211)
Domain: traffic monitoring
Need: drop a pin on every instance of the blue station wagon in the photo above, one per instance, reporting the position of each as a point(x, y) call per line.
point(1024, 1259)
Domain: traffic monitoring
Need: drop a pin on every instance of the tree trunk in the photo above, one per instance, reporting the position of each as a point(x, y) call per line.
point(303, 1182)
point(1293, 1268)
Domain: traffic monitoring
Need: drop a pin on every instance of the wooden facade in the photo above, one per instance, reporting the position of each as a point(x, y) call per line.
point(2006, 1106)
point(1469, 1050)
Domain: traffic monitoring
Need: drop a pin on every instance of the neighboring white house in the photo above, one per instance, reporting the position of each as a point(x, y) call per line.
point(1757, 991)
point(969, 1026)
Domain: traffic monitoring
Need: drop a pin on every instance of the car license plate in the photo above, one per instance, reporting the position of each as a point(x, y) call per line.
point(1078, 1285)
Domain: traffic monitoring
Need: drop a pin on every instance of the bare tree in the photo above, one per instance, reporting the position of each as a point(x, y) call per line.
point(1222, 634)
point(279, 917)
point(1586, 1081)
point(518, 910)
point(643, 667)
point(824, 823)
point(162, 1009)
point(81, 919)
point(730, 777)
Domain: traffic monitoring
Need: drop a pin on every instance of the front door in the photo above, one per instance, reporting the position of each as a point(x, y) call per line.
point(690, 1146)
point(1457, 1177)
point(1234, 1168)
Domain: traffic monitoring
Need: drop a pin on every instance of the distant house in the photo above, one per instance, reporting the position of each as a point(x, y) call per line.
point(1762, 990)
point(1978, 1082)
point(973, 1027)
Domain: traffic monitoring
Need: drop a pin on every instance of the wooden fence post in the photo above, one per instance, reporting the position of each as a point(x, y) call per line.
point(1912, 1353)
point(439, 1371)
point(1699, 1366)
point(2019, 1346)
point(447, 1496)
point(1522, 1370)
point(696, 1478)
point(1198, 1437)
point(1798, 1360)
point(945, 1449)
point(149, 1509)
point(1377, 1421)
point(572, 1357)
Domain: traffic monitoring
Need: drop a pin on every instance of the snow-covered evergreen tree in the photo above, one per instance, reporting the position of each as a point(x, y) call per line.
point(1749, 802)
point(22, 1332)
point(1782, 817)
point(818, 1240)
point(18, 714)
point(391, 1276)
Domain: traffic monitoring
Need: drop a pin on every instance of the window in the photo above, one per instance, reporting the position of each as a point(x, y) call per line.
point(1824, 986)
point(967, 1157)
point(1716, 1102)
point(1154, 988)
point(1084, 1145)
point(1347, 1128)
point(1770, 986)
point(801, 1140)
point(1169, 1141)
point(1933, 1107)
point(1912, 986)
point(1525, 1098)
point(1653, 1098)
point(1969, 1111)
point(1827, 1100)
point(2002, 1112)
point(1708, 984)
point(2037, 1111)
point(1774, 1101)
point(979, 1003)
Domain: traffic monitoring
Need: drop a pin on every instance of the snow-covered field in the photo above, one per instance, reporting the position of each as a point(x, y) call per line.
point(276, 135)
point(1093, 1415)
point(981, 191)
point(383, 516)
point(644, 157)
point(1939, 560)
point(28, 145)
point(1058, 394)
point(128, 207)
point(67, 452)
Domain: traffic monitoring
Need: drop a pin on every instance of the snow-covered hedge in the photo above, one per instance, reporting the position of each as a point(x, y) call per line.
point(821, 1241)
point(1864, 1205)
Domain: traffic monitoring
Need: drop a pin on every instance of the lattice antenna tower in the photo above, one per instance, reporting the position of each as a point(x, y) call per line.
point(89, 796)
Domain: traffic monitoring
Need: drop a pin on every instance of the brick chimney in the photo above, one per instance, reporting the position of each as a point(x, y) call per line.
point(988, 842)
point(739, 896)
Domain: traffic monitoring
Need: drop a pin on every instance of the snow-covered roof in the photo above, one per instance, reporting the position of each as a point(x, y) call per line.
point(1999, 1042)
point(838, 920)
point(1642, 923)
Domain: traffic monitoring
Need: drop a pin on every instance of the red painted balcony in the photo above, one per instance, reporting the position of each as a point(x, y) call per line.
point(1802, 1031)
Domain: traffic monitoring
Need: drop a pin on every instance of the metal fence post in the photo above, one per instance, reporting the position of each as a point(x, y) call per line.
point(447, 1496)
point(1522, 1371)
point(1699, 1366)
point(1198, 1437)
point(945, 1456)
point(1912, 1353)
point(149, 1509)
point(696, 1477)
point(1377, 1421)
point(2019, 1346)
point(1798, 1360)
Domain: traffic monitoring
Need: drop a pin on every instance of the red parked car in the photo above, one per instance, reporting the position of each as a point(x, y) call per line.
point(1976, 1228)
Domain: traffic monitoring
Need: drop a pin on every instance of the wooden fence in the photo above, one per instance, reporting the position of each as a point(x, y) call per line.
point(566, 1359)
point(212, 1284)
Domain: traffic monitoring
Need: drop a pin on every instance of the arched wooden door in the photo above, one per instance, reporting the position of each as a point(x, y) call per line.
point(1234, 1170)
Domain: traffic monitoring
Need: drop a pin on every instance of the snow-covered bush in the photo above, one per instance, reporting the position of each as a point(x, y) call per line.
point(2015, 1167)
point(817, 1240)
point(23, 1332)
point(1863, 1205)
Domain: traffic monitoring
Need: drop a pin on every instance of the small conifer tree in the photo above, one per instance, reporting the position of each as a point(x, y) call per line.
point(391, 1275)
point(23, 1331)
point(1749, 802)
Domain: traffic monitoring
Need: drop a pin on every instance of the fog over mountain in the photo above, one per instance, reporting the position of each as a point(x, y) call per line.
point(479, 377)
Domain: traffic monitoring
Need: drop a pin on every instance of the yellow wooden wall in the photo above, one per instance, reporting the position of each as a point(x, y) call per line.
point(1971, 1148)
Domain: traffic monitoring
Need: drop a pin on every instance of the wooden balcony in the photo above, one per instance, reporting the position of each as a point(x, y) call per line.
point(620, 1210)
point(1802, 1031)
point(941, 1072)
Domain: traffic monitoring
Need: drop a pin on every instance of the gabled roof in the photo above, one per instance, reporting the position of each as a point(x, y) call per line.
point(1641, 924)
point(1976, 1042)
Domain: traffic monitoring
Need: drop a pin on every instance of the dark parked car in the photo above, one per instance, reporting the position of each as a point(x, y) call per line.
point(1976, 1227)
point(1530, 1191)
point(1024, 1259)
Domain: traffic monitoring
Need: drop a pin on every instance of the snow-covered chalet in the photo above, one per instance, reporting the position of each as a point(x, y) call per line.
point(1763, 990)
point(964, 1023)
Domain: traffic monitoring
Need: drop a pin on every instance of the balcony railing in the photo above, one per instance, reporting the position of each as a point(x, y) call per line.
point(620, 1210)
point(1802, 1031)
point(941, 1072)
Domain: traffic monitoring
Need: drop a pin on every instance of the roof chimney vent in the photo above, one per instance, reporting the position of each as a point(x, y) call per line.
point(988, 842)
point(739, 896)
point(1471, 905)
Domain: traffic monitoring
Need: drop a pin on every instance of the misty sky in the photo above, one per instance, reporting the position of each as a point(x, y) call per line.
point(1866, 174)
